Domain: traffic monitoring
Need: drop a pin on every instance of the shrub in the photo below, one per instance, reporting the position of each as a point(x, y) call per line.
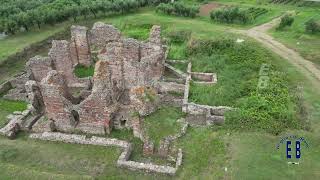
point(286, 20)
point(312, 26)
point(178, 9)
point(231, 15)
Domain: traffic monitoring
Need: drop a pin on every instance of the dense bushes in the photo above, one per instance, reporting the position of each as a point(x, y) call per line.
point(312, 26)
point(28, 13)
point(178, 9)
point(231, 15)
point(286, 20)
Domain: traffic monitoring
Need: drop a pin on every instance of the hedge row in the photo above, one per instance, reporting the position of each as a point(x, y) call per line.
point(178, 9)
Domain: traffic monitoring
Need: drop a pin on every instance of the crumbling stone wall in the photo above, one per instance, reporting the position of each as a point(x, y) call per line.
point(35, 96)
point(61, 56)
point(101, 34)
point(79, 46)
point(38, 67)
point(55, 96)
point(155, 35)
point(96, 111)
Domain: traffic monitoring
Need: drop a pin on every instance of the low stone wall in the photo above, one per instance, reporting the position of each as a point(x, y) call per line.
point(187, 88)
point(204, 78)
point(123, 160)
point(170, 87)
point(212, 114)
point(15, 123)
point(176, 71)
point(193, 108)
point(177, 61)
point(163, 150)
point(17, 92)
point(199, 115)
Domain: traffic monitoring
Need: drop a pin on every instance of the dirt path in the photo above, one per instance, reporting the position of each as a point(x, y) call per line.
point(207, 8)
point(259, 33)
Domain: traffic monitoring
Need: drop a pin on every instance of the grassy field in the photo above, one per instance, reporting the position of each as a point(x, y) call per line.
point(209, 153)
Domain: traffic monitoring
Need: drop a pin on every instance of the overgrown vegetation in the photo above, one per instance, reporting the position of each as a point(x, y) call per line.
point(82, 71)
point(136, 31)
point(178, 9)
point(272, 109)
point(177, 41)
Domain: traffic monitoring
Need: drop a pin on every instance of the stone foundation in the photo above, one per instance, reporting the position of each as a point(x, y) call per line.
point(123, 160)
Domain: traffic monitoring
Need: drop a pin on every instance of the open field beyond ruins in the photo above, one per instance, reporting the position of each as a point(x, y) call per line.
point(145, 94)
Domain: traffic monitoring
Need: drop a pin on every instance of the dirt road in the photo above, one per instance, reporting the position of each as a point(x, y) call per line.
point(306, 67)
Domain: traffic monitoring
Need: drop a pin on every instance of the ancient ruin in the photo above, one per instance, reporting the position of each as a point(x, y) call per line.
point(128, 84)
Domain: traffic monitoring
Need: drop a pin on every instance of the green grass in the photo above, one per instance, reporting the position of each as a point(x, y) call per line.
point(205, 155)
point(177, 51)
point(8, 107)
point(139, 31)
point(166, 120)
point(16, 43)
point(83, 71)
point(255, 155)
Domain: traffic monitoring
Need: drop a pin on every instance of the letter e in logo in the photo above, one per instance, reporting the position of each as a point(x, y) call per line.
point(288, 149)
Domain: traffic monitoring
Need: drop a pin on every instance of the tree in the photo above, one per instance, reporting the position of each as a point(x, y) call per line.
point(73, 11)
point(11, 26)
point(37, 17)
point(23, 20)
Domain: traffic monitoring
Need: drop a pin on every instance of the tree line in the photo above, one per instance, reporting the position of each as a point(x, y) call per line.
point(18, 14)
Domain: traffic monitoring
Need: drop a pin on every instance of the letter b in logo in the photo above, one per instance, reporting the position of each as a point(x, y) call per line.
point(298, 150)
